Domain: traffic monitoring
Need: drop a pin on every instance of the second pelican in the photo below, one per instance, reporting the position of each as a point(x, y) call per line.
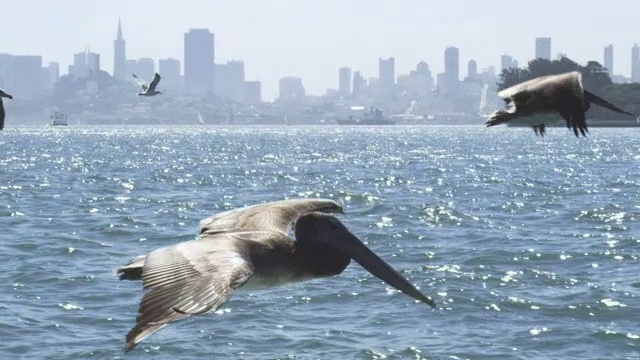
point(562, 93)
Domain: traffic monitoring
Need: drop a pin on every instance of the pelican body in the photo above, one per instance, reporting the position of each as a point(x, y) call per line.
point(3, 94)
point(148, 89)
point(248, 248)
point(561, 94)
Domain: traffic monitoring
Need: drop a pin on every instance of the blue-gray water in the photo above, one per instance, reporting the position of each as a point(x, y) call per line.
point(529, 246)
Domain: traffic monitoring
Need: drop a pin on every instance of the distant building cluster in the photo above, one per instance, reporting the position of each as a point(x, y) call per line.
point(199, 74)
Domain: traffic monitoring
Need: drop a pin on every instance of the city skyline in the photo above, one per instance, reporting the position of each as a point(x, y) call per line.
point(261, 35)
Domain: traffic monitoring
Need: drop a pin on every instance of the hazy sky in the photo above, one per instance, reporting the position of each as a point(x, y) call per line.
point(312, 39)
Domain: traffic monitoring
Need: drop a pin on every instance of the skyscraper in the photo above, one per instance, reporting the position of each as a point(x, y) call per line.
point(451, 67)
point(229, 80)
point(291, 88)
point(387, 75)
point(28, 75)
point(252, 92)
point(543, 48)
point(608, 59)
point(358, 83)
point(119, 55)
point(506, 62)
point(635, 63)
point(84, 63)
point(472, 69)
point(344, 81)
point(53, 73)
point(199, 61)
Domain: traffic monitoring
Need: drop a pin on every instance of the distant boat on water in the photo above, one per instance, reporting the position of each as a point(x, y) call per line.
point(58, 118)
point(374, 117)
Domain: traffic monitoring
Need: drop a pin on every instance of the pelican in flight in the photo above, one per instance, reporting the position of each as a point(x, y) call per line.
point(8, 96)
point(529, 101)
point(248, 248)
point(148, 89)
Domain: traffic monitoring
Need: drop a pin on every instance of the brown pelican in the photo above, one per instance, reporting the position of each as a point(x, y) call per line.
point(563, 94)
point(150, 89)
point(248, 248)
point(8, 96)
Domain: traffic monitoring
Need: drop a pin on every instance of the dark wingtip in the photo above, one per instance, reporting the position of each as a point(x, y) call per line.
point(128, 346)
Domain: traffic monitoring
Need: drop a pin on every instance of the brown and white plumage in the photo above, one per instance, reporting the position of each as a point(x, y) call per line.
point(2, 112)
point(250, 248)
point(148, 89)
point(562, 94)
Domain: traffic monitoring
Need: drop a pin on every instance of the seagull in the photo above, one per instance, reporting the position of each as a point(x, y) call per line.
point(248, 248)
point(8, 96)
point(529, 101)
point(150, 89)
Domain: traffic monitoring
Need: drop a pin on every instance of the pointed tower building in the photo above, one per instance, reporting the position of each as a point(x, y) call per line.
point(119, 55)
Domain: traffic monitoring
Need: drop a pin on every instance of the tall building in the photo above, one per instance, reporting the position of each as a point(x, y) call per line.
point(472, 69)
point(608, 59)
point(146, 68)
point(387, 75)
point(119, 55)
point(290, 88)
point(358, 83)
point(543, 48)
point(143, 68)
point(53, 73)
point(6, 71)
point(229, 80)
point(420, 79)
point(451, 67)
point(84, 63)
point(507, 62)
point(28, 75)
point(344, 81)
point(199, 61)
point(169, 69)
point(252, 92)
point(635, 63)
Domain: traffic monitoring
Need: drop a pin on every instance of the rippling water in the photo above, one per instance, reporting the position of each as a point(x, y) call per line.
point(529, 246)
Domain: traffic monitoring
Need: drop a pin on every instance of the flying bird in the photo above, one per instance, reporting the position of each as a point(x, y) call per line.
point(5, 95)
point(149, 89)
point(248, 248)
point(562, 93)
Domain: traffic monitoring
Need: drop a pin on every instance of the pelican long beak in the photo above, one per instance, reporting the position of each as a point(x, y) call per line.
point(352, 246)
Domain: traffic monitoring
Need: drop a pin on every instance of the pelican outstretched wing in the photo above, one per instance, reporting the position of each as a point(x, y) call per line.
point(272, 216)
point(191, 278)
point(1, 115)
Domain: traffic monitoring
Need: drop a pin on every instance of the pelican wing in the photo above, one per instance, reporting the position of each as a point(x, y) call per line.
point(272, 216)
point(5, 94)
point(190, 278)
point(545, 84)
point(1, 114)
point(154, 82)
point(142, 83)
point(327, 229)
